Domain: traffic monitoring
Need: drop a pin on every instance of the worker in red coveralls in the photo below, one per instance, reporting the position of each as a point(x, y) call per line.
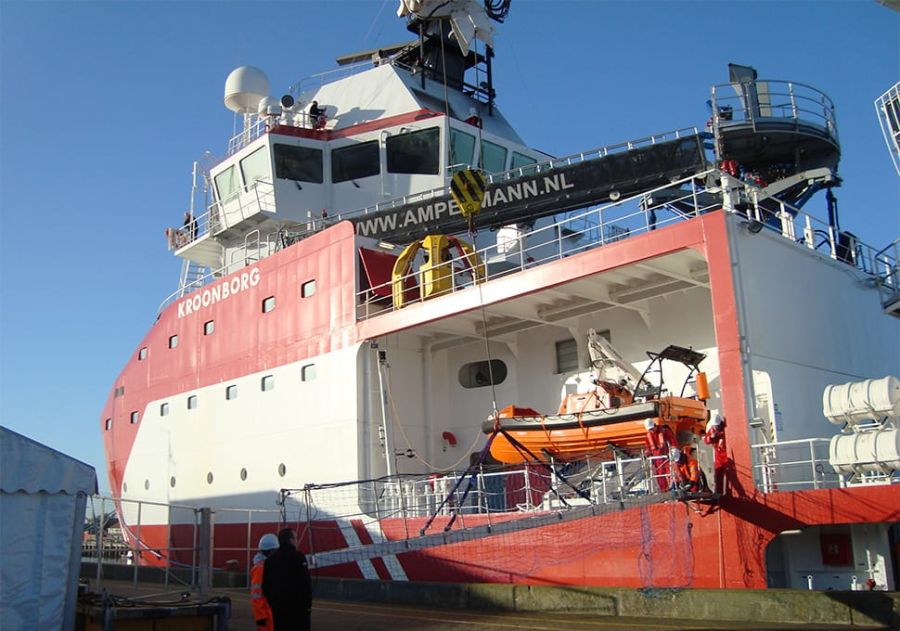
point(659, 440)
point(715, 437)
point(688, 476)
point(262, 614)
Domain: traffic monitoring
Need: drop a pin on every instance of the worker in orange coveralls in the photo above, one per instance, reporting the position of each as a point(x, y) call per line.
point(268, 543)
point(688, 476)
point(715, 437)
point(659, 440)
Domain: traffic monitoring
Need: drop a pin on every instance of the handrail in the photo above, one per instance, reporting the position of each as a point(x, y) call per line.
point(792, 100)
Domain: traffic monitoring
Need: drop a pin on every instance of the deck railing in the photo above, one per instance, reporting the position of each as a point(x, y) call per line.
point(793, 465)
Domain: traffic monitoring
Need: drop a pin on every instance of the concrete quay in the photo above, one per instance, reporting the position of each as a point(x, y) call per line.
point(770, 608)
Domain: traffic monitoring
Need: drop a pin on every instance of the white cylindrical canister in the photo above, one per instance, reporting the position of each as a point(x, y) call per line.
point(865, 452)
point(860, 401)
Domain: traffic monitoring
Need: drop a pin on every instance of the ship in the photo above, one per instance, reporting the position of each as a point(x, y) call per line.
point(384, 290)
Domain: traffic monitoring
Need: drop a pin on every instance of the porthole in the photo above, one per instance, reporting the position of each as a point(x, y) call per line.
point(134, 417)
point(124, 487)
point(308, 372)
point(282, 470)
point(267, 383)
point(243, 474)
point(478, 374)
point(172, 481)
point(231, 392)
point(108, 424)
point(209, 478)
point(209, 327)
point(268, 304)
point(173, 341)
point(142, 354)
point(146, 485)
point(192, 402)
point(307, 289)
point(164, 409)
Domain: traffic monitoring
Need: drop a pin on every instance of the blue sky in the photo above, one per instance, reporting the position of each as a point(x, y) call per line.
point(104, 106)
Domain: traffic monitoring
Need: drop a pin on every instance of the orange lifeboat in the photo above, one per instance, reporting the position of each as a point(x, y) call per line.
point(613, 415)
point(570, 436)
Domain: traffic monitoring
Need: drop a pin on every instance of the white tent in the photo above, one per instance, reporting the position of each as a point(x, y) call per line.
point(42, 502)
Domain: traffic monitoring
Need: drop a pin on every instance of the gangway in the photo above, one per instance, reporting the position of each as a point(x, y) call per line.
point(542, 190)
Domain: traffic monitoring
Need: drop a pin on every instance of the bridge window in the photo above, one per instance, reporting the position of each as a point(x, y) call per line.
point(493, 157)
point(414, 152)
point(462, 149)
point(226, 184)
point(256, 167)
point(302, 164)
point(520, 160)
point(478, 374)
point(566, 356)
point(355, 162)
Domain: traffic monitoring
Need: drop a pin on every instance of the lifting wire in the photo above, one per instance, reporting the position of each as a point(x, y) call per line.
point(431, 466)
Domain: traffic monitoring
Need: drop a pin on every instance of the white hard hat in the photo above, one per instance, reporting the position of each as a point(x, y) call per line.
point(268, 542)
point(675, 453)
point(715, 421)
point(649, 424)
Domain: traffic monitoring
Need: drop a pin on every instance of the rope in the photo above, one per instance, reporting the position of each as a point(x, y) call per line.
point(396, 417)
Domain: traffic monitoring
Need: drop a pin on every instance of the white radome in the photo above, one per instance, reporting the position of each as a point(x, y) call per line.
point(245, 87)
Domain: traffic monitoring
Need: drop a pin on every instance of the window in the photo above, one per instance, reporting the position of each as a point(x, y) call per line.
point(298, 163)
point(267, 383)
point(462, 148)
point(134, 418)
point(231, 392)
point(478, 374)
point(142, 354)
point(268, 304)
point(118, 392)
point(493, 157)
point(566, 356)
point(520, 160)
point(308, 372)
point(209, 327)
point(173, 341)
point(108, 424)
point(355, 162)
point(192, 402)
point(226, 184)
point(164, 409)
point(256, 167)
point(307, 289)
point(414, 152)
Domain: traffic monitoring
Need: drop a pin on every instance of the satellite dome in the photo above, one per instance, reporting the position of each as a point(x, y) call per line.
point(244, 88)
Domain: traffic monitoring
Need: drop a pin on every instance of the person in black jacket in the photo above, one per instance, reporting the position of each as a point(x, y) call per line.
point(286, 585)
